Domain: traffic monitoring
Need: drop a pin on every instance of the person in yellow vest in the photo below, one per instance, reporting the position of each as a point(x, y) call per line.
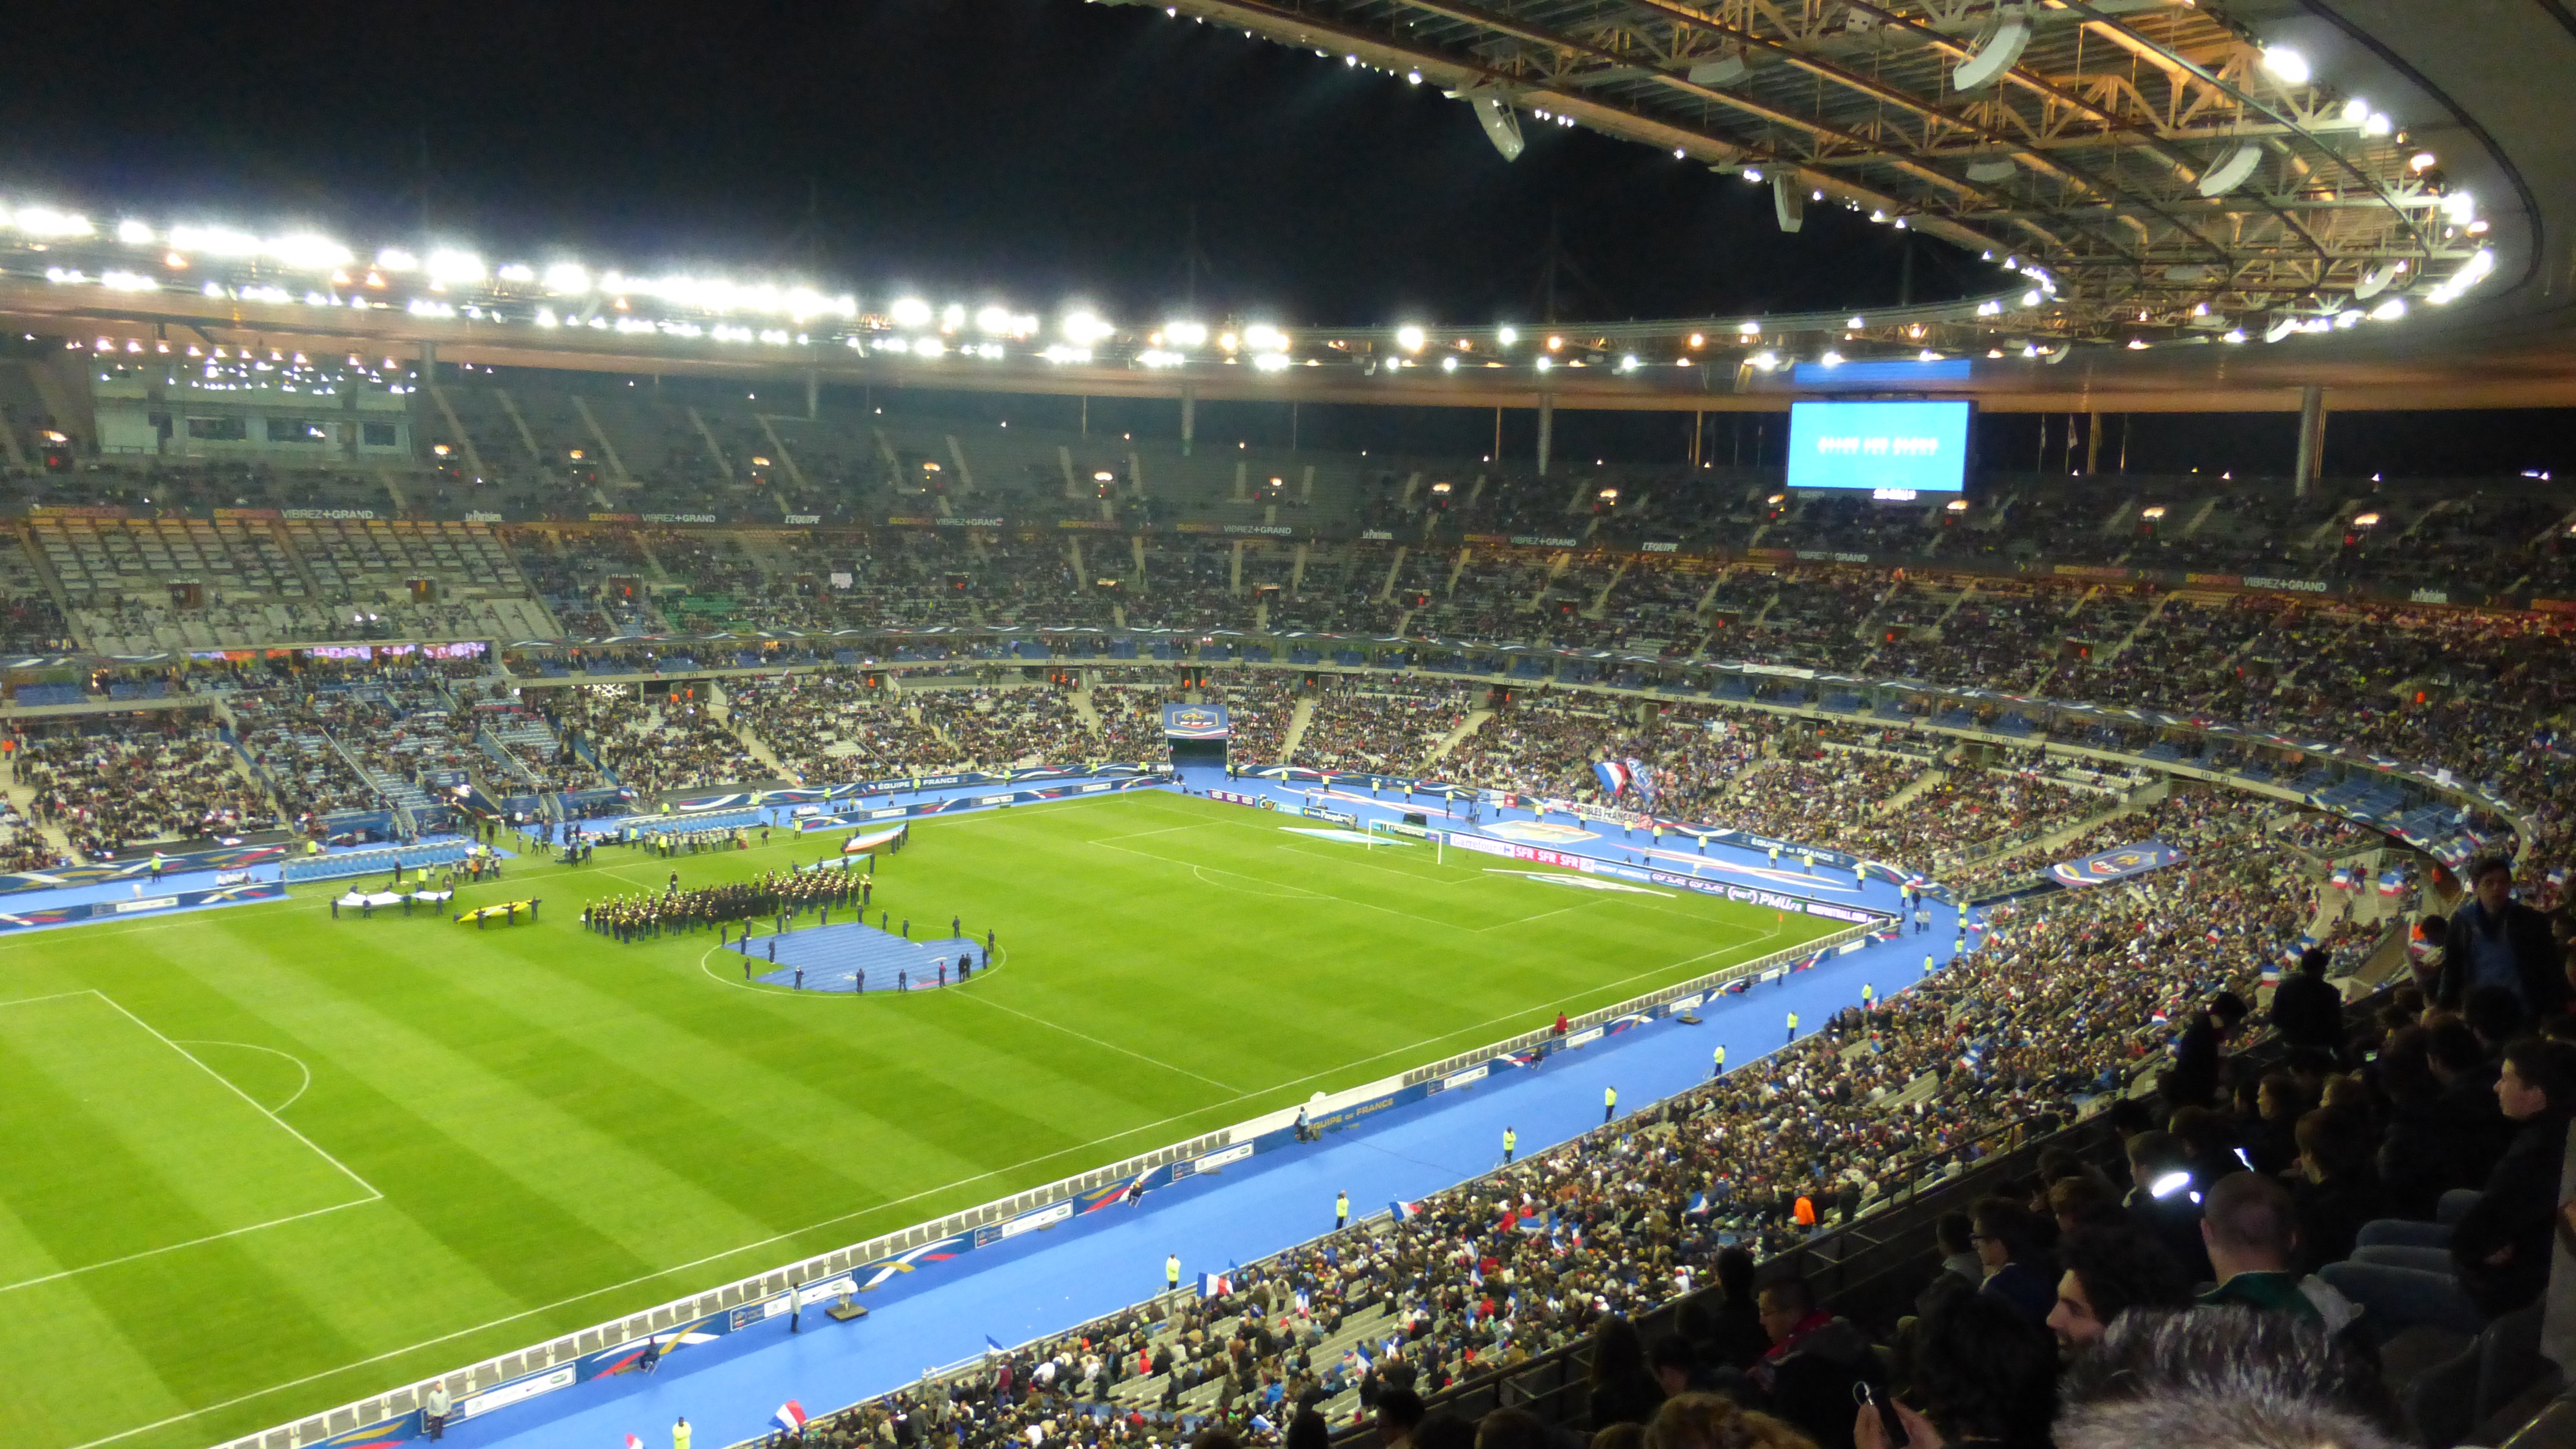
point(680, 1434)
point(1868, 994)
point(1793, 1026)
point(1775, 857)
point(1609, 1103)
point(1172, 1273)
point(1717, 1062)
point(1341, 1210)
point(1807, 862)
point(1511, 1143)
point(1927, 963)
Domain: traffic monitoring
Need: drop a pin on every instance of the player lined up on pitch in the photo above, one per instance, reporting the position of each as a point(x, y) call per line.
point(777, 896)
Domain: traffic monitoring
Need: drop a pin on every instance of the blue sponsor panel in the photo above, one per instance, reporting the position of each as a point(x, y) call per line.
point(798, 795)
point(1195, 722)
point(342, 864)
point(2118, 863)
point(847, 819)
point(140, 905)
point(139, 868)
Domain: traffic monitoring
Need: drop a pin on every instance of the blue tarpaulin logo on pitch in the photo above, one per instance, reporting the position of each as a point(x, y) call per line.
point(1194, 722)
point(2116, 864)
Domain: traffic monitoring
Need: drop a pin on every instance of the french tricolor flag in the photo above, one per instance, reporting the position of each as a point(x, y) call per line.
point(790, 1417)
point(1406, 1211)
point(1215, 1285)
point(1811, 963)
point(1612, 774)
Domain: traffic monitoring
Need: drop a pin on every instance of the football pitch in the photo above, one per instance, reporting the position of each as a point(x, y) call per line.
point(255, 1162)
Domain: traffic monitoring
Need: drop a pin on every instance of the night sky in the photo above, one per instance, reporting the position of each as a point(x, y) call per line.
point(1036, 152)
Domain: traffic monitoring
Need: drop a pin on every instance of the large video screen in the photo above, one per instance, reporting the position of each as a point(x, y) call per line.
point(1896, 451)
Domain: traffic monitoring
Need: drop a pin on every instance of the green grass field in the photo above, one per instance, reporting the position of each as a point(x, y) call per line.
point(255, 1162)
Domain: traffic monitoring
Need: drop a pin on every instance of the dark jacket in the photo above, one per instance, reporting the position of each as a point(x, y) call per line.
point(2031, 1292)
point(1736, 1337)
point(1811, 1385)
point(2416, 1157)
point(2194, 1077)
point(2330, 1215)
point(2535, 955)
point(1626, 1401)
point(2517, 1209)
point(2308, 1011)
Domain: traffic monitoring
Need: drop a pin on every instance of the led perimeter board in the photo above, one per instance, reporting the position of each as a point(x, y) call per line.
point(1893, 451)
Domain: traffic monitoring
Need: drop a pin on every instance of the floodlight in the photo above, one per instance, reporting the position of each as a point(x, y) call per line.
point(1502, 125)
point(2376, 280)
point(571, 278)
point(2229, 174)
point(1999, 52)
point(910, 312)
point(2286, 65)
point(1410, 338)
point(449, 265)
point(134, 233)
point(1186, 334)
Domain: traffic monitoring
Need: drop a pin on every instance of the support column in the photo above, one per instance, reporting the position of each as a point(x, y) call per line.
point(2312, 437)
point(813, 393)
point(2092, 444)
point(1189, 418)
point(1546, 428)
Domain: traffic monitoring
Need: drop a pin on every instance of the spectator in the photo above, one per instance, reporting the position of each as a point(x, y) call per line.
point(2166, 1201)
point(1676, 1366)
point(2307, 1011)
point(2491, 1256)
point(2222, 1378)
point(2497, 941)
point(2109, 1269)
point(1736, 1337)
point(2338, 1185)
point(2193, 1081)
point(2250, 1227)
point(1704, 1421)
point(1399, 1413)
point(1623, 1389)
point(1814, 1361)
point(1984, 1374)
point(2006, 1242)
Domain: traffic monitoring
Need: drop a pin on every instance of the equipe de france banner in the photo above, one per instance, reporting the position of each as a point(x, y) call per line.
point(2118, 863)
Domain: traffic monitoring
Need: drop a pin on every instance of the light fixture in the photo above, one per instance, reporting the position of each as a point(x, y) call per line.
point(2229, 174)
point(1410, 338)
point(1992, 57)
point(2286, 65)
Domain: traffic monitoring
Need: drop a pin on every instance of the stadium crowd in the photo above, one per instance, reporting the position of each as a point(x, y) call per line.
point(109, 792)
point(2392, 1184)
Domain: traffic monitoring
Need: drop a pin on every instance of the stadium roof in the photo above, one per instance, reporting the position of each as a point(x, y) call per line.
point(2375, 190)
